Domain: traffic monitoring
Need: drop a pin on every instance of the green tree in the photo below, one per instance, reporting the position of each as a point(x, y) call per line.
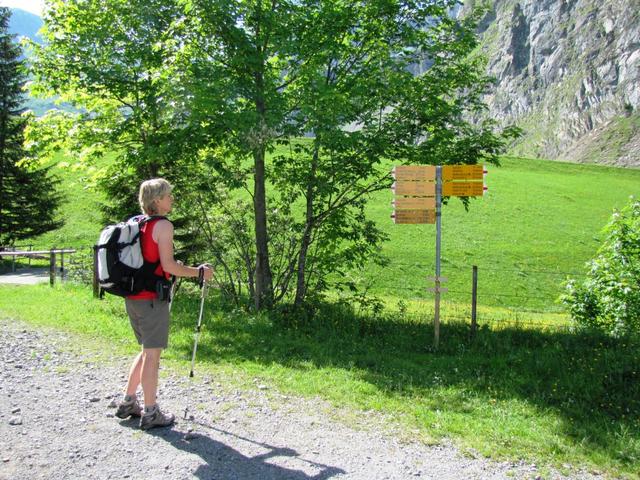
point(269, 72)
point(28, 200)
point(609, 299)
point(106, 59)
point(109, 60)
point(204, 90)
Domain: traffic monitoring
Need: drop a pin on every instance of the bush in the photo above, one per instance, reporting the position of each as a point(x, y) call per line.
point(609, 299)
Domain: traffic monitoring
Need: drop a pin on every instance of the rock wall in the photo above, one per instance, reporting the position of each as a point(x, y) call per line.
point(568, 73)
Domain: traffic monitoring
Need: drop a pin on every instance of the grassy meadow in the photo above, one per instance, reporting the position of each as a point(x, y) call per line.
point(518, 391)
point(537, 224)
point(80, 209)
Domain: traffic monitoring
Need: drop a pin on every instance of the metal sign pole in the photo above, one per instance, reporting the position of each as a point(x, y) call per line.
point(436, 318)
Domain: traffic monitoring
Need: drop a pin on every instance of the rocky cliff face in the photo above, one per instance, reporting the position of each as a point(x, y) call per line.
point(568, 72)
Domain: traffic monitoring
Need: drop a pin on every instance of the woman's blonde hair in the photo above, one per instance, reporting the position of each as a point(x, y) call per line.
point(150, 191)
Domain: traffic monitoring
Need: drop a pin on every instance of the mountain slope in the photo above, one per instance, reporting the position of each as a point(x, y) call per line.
point(568, 72)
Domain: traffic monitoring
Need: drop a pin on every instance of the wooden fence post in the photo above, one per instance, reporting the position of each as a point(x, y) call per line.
point(52, 267)
point(474, 302)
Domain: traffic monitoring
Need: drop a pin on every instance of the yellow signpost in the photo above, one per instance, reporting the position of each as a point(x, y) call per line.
point(401, 203)
point(414, 188)
point(418, 191)
point(426, 173)
point(463, 189)
point(462, 172)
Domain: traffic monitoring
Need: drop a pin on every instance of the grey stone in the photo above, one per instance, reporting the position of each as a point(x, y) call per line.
point(15, 421)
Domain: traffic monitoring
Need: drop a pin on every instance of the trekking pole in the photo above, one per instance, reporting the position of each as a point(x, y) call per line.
point(203, 293)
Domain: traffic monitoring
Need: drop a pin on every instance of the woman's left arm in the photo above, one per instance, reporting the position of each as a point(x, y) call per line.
point(163, 235)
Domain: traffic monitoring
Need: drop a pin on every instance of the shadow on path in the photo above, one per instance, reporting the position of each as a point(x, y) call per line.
point(225, 463)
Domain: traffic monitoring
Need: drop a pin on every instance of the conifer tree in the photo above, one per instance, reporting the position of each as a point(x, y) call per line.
point(28, 199)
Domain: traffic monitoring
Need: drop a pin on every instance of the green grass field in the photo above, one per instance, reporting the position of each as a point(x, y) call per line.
point(539, 222)
point(80, 208)
point(541, 394)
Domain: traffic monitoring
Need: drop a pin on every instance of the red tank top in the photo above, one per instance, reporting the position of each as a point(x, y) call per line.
point(151, 253)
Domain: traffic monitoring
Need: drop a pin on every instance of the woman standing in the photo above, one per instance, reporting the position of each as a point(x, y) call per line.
point(148, 314)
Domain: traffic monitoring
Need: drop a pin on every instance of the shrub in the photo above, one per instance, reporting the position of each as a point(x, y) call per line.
point(609, 298)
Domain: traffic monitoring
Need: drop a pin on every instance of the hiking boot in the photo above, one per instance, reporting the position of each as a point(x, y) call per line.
point(131, 409)
point(156, 419)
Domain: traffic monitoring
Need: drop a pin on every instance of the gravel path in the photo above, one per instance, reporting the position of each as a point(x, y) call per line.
point(57, 422)
point(26, 276)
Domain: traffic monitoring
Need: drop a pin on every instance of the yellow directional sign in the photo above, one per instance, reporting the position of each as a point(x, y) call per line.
point(463, 189)
point(425, 173)
point(414, 216)
point(462, 172)
point(414, 188)
point(404, 203)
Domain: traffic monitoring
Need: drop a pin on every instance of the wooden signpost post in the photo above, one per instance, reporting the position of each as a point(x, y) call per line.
point(418, 192)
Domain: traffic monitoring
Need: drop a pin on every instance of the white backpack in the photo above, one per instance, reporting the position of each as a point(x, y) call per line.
point(121, 268)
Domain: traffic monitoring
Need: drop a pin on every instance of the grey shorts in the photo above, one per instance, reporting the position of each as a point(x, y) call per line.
point(150, 321)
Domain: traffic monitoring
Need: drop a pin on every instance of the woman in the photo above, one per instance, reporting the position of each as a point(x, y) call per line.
point(149, 315)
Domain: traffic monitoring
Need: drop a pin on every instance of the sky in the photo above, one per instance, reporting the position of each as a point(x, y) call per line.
point(33, 6)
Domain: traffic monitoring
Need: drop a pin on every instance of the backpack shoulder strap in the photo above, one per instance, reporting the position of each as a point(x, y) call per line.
point(148, 218)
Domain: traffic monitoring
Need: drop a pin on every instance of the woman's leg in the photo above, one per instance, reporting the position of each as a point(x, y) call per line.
point(149, 374)
point(134, 374)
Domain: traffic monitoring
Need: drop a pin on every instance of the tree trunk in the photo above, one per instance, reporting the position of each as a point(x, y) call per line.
point(263, 297)
point(301, 285)
point(264, 282)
